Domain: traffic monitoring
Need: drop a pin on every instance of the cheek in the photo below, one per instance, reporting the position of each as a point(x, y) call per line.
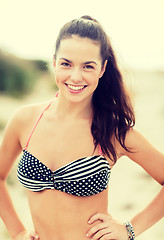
point(60, 76)
point(94, 80)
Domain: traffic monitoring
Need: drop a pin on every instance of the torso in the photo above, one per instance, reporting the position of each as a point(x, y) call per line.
point(58, 215)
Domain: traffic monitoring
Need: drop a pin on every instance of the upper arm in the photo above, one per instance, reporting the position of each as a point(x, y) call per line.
point(144, 154)
point(10, 146)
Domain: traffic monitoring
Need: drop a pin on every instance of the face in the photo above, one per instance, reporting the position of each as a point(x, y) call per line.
point(78, 67)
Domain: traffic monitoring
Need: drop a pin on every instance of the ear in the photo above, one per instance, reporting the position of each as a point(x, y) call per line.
point(54, 61)
point(103, 69)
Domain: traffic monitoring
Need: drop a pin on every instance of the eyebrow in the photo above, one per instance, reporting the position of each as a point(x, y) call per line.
point(66, 60)
point(88, 62)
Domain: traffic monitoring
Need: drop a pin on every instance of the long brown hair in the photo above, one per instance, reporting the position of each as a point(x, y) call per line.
point(113, 111)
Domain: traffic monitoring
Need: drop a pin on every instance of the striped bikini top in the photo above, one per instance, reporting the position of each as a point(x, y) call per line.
point(82, 177)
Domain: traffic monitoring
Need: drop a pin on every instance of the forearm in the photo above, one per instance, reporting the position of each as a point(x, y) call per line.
point(8, 213)
point(150, 215)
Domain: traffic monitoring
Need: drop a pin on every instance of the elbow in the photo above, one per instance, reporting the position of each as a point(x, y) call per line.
point(2, 179)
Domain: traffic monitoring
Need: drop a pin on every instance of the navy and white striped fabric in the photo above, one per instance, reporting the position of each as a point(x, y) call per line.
point(83, 177)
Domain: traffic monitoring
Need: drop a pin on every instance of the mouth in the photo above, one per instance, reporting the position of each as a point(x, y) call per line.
point(75, 88)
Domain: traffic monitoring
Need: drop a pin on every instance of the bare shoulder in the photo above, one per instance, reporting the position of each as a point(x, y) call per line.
point(16, 133)
point(26, 114)
point(136, 142)
point(23, 120)
point(134, 139)
point(145, 154)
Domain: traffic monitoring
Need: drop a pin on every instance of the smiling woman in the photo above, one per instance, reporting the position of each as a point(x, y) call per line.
point(78, 67)
point(70, 145)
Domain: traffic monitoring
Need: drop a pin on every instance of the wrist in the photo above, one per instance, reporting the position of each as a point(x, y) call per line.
point(130, 230)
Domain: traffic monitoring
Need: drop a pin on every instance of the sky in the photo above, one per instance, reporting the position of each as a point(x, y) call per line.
point(28, 28)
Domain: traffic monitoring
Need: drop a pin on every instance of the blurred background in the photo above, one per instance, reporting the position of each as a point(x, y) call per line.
point(28, 30)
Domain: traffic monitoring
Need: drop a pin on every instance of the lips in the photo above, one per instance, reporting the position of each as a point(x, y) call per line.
point(75, 88)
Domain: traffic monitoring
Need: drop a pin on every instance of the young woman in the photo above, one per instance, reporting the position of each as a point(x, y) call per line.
point(71, 144)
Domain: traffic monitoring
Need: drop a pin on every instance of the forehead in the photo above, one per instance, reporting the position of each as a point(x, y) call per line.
point(76, 47)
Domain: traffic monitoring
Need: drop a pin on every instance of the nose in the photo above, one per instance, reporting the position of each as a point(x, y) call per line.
point(76, 75)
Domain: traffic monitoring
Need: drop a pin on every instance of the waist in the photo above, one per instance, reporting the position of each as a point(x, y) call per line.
point(72, 226)
point(59, 216)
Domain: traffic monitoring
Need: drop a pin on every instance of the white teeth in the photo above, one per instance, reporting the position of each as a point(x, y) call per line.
point(75, 88)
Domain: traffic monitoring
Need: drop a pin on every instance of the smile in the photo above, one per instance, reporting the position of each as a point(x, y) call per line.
point(75, 88)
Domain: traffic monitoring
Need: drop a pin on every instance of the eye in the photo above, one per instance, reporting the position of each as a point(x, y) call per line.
point(65, 64)
point(88, 67)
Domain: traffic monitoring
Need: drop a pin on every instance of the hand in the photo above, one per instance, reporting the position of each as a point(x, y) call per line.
point(26, 236)
point(107, 229)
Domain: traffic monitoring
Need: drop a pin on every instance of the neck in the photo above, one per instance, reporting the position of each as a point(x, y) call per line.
point(66, 108)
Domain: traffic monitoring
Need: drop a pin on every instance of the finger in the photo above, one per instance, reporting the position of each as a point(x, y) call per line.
point(37, 237)
point(34, 236)
point(101, 233)
point(107, 236)
point(96, 228)
point(97, 216)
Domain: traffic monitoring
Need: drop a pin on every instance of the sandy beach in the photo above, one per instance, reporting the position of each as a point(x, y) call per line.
point(130, 188)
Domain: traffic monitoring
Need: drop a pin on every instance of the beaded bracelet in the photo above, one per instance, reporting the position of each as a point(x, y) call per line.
point(130, 230)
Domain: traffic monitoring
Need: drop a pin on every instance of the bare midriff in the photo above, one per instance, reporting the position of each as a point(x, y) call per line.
point(61, 216)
